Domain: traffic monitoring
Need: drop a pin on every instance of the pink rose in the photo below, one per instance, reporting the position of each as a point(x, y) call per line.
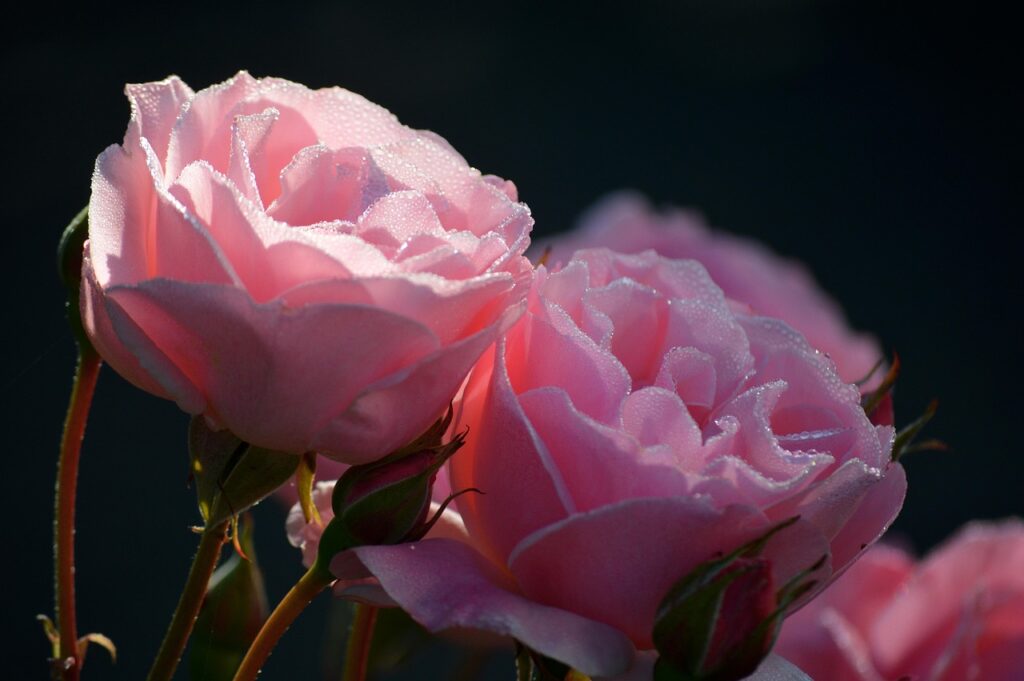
point(751, 275)
point(295, 264)
point(629, 427)
point(956, 616)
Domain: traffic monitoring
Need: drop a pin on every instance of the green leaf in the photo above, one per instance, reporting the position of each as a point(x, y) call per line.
point(233, 611)
point(871, 402)
point(232, 476)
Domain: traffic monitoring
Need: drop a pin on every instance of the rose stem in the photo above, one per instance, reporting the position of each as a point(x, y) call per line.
point(357, 653)
point(295, 601)
point(82, 391)
point(191, 599)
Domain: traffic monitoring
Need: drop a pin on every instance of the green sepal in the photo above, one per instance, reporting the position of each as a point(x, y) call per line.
point(231, 475)
point(871, 401)
point(69, 266)
point(905, 438)
point(233, 611)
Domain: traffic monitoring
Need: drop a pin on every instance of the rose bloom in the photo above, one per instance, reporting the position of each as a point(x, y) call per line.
point(956, 616)
point(295, 264)
point(629, 427)
point(753, 277)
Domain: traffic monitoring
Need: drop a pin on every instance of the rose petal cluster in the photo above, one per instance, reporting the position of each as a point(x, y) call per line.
point(955, 616)
point(295, 264)
point(753, 277)
point(630, 426)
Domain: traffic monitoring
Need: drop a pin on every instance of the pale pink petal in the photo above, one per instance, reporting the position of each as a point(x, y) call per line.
point(444, 584)
point(285, 362)
point(142, 231)
point(155, 107)
point(452, 310)
point(322, 184)
point(247, 165)
point(392, 411)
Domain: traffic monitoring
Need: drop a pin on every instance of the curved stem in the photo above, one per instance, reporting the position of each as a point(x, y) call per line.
point(64, 509)
point(295, 601)
point(203, 565)
point(357, 654)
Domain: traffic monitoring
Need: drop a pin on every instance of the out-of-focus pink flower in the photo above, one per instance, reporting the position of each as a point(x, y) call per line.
point(956, 616)
point(295, 264)
point(751, 275)
point(629, 427)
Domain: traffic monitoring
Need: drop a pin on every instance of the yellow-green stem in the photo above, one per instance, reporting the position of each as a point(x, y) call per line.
point(357, 653)
point(191, 599)
point(295, 601)
point(64, 510)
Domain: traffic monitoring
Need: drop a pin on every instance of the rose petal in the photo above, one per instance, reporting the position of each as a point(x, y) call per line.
point(504, 457)
point(155, 107)
point(673, 535)
point(384, 417)
point(615, 467)
point(444, 584)
point(285, 362)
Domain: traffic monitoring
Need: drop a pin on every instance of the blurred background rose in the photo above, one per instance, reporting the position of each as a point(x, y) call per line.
point(954, 615)
point(872, 142)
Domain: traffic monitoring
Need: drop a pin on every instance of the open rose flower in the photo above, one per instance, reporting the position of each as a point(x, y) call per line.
point(956, 616)
point(295, 264)
point(751, 275)
point(629, 427)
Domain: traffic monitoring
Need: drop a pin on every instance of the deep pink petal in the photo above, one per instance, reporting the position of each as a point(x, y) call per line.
point(445, 584)
point(505, 458)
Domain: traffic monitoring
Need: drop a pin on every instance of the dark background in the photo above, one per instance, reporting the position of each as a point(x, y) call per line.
point(876, 143)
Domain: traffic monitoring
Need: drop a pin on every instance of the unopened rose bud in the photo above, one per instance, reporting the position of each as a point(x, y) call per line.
point(719, 621)
point(387, 501)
